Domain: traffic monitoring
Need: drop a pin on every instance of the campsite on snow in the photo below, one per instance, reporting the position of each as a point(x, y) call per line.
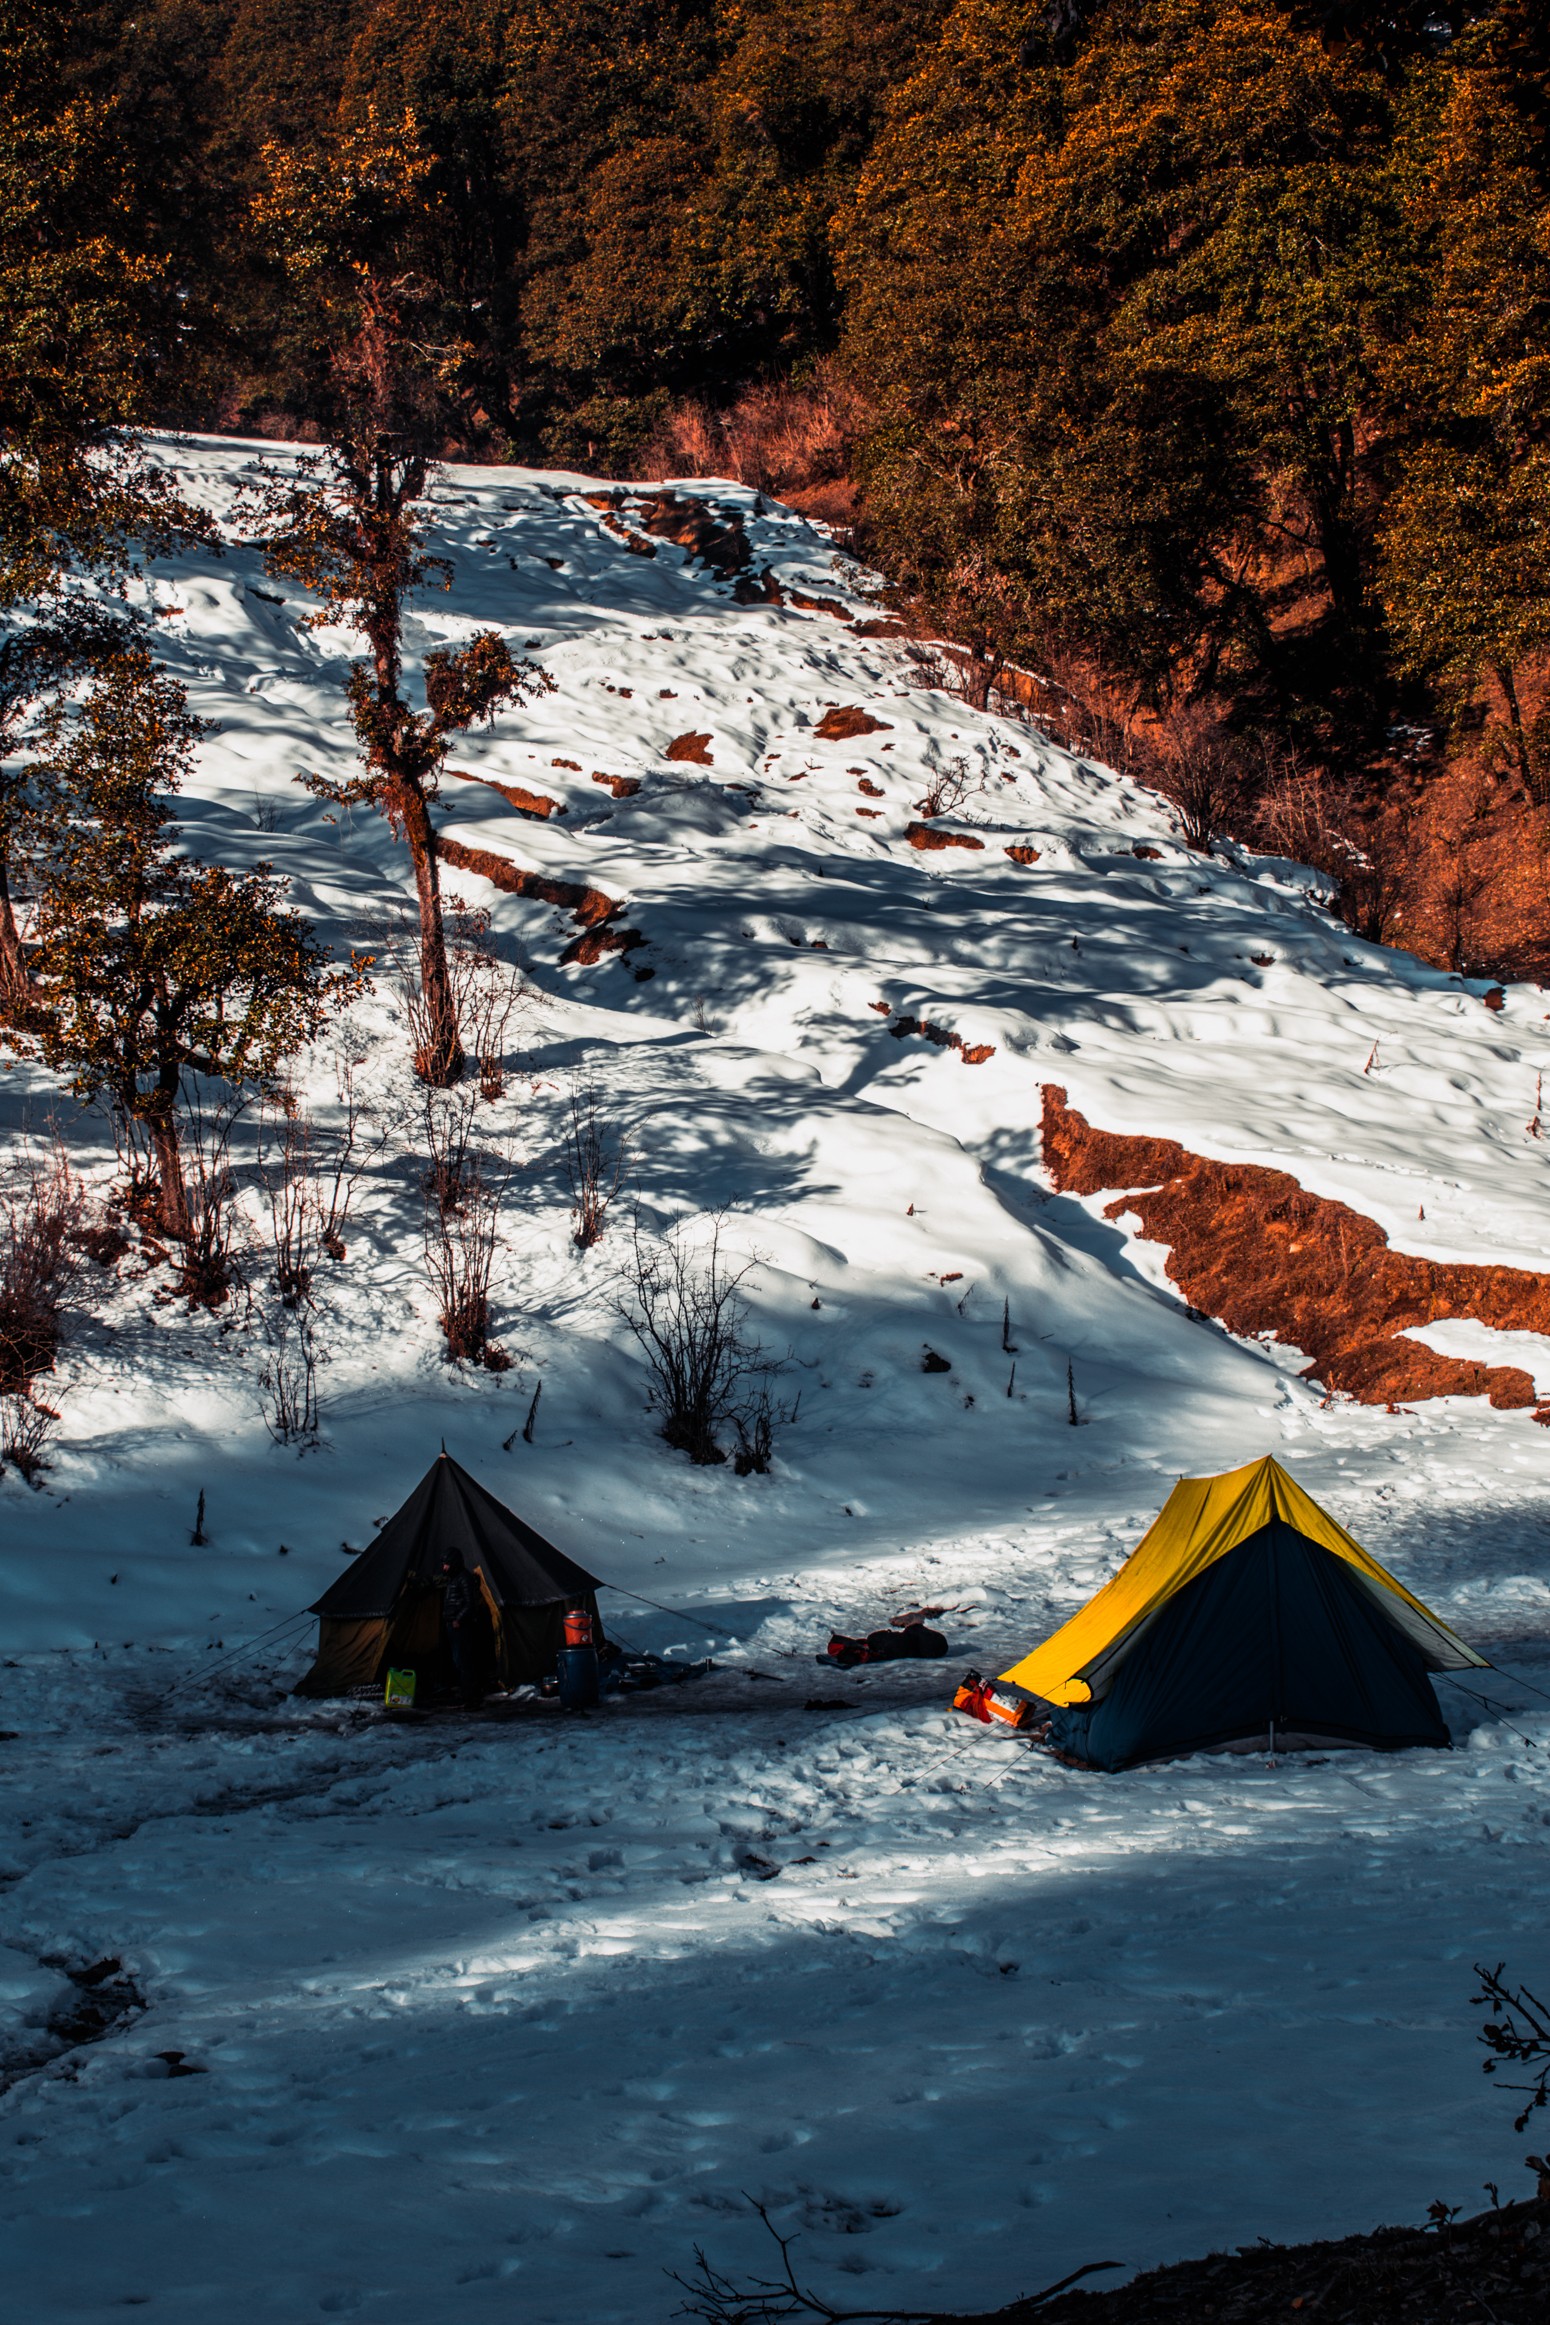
point(320, 1913)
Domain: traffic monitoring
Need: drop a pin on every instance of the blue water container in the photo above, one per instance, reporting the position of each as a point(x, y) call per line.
point(576, 1670)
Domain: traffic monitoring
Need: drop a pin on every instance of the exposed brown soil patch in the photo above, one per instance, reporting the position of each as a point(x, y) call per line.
point(622, 786)
point(595, 943)
point(1147, 855)
point(720, 543)
point(872, 790)
point(1254, 1249)
point(695, 748)
point(847, 719)
point(1022, 855)
point(972, 1053)
point(535, 803)
point(873, 814)
point(1469, 2272)
point(821, 605)
point(590, 906)
point(923, 835)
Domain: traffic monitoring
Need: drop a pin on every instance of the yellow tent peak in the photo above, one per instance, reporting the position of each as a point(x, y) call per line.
point(1201, 1521)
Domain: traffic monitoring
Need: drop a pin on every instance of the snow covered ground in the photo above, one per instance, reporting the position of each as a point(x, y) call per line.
point(500, 2019)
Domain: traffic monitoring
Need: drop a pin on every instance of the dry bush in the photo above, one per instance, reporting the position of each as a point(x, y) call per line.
point(210, 1261)
point(25, 1428)
point(287, 1172)
point(596, 1159)
point(40, 1224)
point(309, 1176)
point(486, 991)
point(465, 1183)
point(948, 788)
point(1363, 852)
point(931, 670)
point(686, 1309)
point(289, 1379)
point(1193, 761)
point(780, 439)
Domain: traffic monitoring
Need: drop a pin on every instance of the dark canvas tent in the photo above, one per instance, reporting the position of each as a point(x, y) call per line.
point(384, 1610)
point(1245, 1617)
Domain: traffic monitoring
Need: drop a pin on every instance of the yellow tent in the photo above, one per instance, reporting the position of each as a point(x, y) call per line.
point(1245, 1609)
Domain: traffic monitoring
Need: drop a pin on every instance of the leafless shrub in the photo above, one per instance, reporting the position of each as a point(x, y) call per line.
point(309, 1176)
point(40, 1222)
point(686, 1309)
point(756, 1418)
point(287, 1173)
point(974, 672)
point(210, 1260)
point(948, 788)
point(465, 1182)
point(486, 990)
point(1362, 851)
point(136, 1192)
point(290, 1377)
point(1517, 2034)
point(447, 1118)
point(596, 1158)
point(1194, 762)
point(721, 2300)
point(1075, 705)
point(26, 1425)
point(780, 439)
point(928, 667)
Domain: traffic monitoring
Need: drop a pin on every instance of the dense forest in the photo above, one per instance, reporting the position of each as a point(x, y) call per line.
point(1193, 355)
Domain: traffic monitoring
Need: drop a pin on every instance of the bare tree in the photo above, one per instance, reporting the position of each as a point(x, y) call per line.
point(686, 1309)
point(596, 1158)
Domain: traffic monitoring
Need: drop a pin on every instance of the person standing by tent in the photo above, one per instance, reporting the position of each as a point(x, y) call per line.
point(466, 1628)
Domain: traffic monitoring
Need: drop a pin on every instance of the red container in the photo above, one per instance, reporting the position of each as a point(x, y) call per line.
point(578, 1627)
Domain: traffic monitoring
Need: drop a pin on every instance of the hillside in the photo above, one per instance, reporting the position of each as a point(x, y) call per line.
point(571, 1994)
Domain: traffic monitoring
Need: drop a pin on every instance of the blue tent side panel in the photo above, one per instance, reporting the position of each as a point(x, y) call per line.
point(1277, 1631)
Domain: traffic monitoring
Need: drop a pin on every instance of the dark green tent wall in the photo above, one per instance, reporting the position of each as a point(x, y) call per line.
point(385, 1611)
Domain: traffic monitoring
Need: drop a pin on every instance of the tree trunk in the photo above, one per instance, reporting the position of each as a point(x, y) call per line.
point(15, 983)
point(1329, 495)
point(1508, 685)
point(172, 1197)
point(440, 1062)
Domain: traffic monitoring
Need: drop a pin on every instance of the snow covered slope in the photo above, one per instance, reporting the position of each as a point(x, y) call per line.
point(557, 1997)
